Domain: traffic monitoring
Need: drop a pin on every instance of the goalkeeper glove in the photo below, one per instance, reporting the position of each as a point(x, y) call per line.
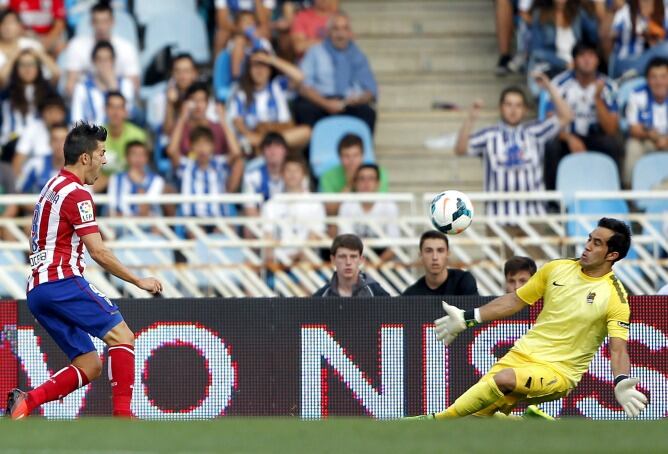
point(456, 321)
point(631, 400)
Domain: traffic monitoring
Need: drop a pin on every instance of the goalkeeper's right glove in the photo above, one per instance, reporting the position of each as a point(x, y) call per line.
point(448, 327)
point(631, 400)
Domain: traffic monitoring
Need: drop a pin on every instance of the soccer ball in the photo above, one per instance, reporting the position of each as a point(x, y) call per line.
point(451, 212)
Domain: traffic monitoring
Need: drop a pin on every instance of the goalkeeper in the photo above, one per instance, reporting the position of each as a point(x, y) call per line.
point(583, 301)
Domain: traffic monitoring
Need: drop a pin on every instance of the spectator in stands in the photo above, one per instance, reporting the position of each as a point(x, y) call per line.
point(348, 280)
point(120, 133)
point(638, 35)
point(227, 15)
point(266, 178)
point(556, 27)
point(259, 105)
point(126, 64)
point(12, 41)
point(27, 88)
point(90, 93)
point(647, 117)
point(44, 19)
point(513, 151)
point(338, 78)
point(382, 215)
point(164, 107)
point(247, 38)
point(591, 97)
point(138, 179)
point(517, 271)
point(310, 25)
point(7, 186)
point(34, 147)
point(292, 221)
point(208, 173)
point(194, 114)
point(38, 170)
point(438, 278)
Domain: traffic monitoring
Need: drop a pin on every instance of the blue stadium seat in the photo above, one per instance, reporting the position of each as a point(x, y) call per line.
point(326, 136)
point(222, 76)
point(146, 10)
point(623, 95)
point(124, 26)
point(649, 171)
point(590, 171)
point(185, 31)
point(13, 260)
point(205, 257)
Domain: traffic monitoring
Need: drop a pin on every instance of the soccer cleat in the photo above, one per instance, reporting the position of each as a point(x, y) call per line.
point(421, 417)
point(533, 411)
point(17, 407)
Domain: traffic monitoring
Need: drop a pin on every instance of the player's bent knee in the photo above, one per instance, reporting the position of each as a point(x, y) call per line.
point(120, 334)
point(90, 364)
point(505, 380)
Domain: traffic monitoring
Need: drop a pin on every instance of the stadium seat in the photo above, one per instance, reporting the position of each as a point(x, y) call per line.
point(185, 32)
point(649, 171)
point(124, 26)
point(623, 95)
point(222, 76)
point(145, 10)
point(144, 257)
point(325, 138)
point(14, 269)
point(589, 171)
point(226, 256)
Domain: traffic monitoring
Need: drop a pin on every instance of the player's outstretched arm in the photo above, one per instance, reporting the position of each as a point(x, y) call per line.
point(631, 400)
point(457, 320)
point(107, 260)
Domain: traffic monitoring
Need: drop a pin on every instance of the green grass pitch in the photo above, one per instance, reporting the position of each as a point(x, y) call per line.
point(341, 436)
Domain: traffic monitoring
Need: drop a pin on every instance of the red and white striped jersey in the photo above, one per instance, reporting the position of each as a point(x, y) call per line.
point(63, 214)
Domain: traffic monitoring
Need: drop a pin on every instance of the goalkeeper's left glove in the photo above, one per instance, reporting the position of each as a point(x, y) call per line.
point(457, 320)
point(631, 400)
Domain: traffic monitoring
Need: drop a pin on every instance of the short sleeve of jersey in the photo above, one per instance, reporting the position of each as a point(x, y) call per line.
point(79, 209)
point(534, 289)
point(619, 313)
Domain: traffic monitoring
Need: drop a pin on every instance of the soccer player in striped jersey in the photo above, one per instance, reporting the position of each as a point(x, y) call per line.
point(62, 301)
point(513, 150)
point(583, 302)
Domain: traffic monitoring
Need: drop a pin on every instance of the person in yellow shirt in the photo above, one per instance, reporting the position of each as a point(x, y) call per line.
point(583, 301)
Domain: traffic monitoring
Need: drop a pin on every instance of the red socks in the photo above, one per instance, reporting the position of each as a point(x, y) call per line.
point(122, 377)
point(58, 386)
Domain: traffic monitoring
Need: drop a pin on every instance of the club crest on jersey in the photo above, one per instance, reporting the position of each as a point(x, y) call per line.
point(590, 297)
point(86, 211)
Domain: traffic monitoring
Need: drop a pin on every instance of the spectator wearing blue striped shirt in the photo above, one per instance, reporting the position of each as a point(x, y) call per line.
point(591, 97)
point(513, 150)
point(138, 179)
point(205, 173)
point(266, 176)
point(647, 116)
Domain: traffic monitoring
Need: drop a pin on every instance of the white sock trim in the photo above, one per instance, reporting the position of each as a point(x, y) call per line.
point(129, 350)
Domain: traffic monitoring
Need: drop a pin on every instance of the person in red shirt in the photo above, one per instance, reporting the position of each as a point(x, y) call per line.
point(45, 18)
point(310, 25)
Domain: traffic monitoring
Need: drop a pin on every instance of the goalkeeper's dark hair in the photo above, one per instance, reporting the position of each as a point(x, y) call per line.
point(83, 138)
point(433, 235)
point(348, 241)
point(620, 241)
point(516, 263)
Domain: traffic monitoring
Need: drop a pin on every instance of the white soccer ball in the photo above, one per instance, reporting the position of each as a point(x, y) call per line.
point(451, 212)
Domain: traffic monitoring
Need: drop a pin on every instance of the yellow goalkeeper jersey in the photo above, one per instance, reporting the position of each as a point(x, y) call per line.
point(578, 312)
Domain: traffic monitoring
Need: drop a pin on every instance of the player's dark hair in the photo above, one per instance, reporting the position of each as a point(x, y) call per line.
point(620, 241)
point(433, 235)
point(113, 94)
point(103, 6)
point(101, 45)
point(197, 87)
point(517, 263)
point(656, 62)
point(135, 143)
point(348, 241)
point(373, 167)
point(273, 138)
point(349, 141)
point(201, 133)
point(513, 90)
point(83, 138)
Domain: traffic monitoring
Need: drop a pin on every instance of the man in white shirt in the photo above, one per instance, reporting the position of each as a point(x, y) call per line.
point(78, 51)
point(647, 116)
point(360, 218)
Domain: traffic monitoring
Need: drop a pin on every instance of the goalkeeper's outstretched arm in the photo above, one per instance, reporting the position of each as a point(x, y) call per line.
point(501, 307)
